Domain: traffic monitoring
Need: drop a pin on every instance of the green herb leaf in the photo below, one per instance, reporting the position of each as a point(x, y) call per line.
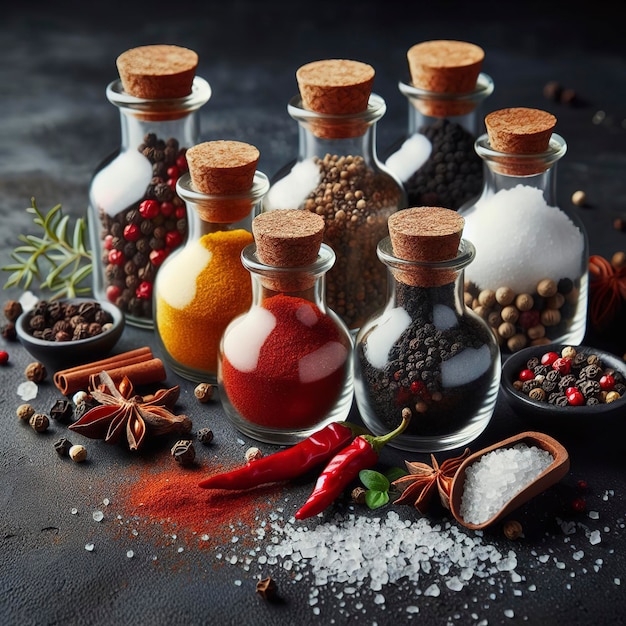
point(374, 480)
point(394, 473)
point(375, 499)
point(58, 264)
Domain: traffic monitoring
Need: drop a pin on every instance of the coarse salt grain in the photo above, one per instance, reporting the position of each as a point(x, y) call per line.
point(497, 477)
point(27, 390)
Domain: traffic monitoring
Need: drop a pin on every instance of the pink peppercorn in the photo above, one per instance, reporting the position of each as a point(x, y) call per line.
point(526, 374)
point(548, 358)
point(562, 365)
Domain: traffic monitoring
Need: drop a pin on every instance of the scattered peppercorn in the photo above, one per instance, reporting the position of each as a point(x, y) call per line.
point(12, 310)
point(78, 453)
point(579, 198)
point(25, 411)
point(62, 411)
point(253, 454)
point(9, 332)
point(619, 223)
point(512, 529)
point(36, 372)
point(358, 495)
point(205, 435)
point(579, 505)
point(4, 357)
point(203, 392)
point(39, 422)
point(266, 588)
point(582, 485)
point(553, 90)
point(183, 452)
point(63, 446)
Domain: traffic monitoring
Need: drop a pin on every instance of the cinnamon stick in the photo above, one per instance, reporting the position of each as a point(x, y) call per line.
point(141, 373)
point(132, 363)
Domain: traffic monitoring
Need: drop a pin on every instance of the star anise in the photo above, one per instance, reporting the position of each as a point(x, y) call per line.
point(122, 412)
point(419, 485)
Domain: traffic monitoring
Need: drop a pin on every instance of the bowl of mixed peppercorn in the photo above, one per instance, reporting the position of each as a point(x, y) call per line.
point(563, 385)
point(62, 333)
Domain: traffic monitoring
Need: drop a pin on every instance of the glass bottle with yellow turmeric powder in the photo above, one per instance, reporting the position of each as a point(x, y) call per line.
point(204, 285)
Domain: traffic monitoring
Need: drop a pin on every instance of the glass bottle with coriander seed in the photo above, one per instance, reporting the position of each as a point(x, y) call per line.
point(530, 276)
point(425, 351)
point(136, 218)
point(285, 365)
point(203, 286)
point(436, 160)
point(337, 175)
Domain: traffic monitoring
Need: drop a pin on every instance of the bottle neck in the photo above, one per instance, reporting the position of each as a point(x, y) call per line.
point(426, 108)
point(306, 282)
point(323, 134)
point(506, 171)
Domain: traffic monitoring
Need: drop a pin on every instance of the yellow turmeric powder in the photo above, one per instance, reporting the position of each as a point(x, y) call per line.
point(198, 293)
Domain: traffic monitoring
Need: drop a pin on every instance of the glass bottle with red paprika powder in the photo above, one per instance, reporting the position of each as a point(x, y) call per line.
point(425, 351)
point(202, 286)
point(285, 366)
point(435, 160)
point(136, 218)
point(337, 175)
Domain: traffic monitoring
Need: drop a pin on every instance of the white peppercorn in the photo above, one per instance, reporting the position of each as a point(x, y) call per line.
point(253, 454)
point(78, 453)
point(25, 411)
point(39, 422)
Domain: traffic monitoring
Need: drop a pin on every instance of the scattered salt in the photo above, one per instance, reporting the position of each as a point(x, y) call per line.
point(130, 554)
point(594, 537)
point(74, 510)
point(27, 390)
point(98, 516)
point(89, 547)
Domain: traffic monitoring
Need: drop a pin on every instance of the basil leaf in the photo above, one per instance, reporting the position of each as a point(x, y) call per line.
point(374, 480)
point(375, 499)
point(394, 473)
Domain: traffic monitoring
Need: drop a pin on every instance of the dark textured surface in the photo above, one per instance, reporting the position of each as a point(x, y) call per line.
point(56, 126)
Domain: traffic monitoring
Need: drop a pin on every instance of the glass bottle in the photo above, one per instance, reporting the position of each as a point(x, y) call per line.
point(425, 350)
point(435, 160)
point(135, 216)
point(285, 366)
point(337, 175)
point(202, 286)
point(530, 276)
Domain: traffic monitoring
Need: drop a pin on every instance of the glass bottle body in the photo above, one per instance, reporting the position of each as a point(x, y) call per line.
point(285, 366)
point(203, 286)
point(427, 352)
point(338, 176)
point(435, 160)
point(530, 276)
point(136, 219)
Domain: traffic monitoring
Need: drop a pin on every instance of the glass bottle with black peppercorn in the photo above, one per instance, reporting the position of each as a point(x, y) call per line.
point(136, 217)
point(436, 160)
point(425, 351)
point(337, 175)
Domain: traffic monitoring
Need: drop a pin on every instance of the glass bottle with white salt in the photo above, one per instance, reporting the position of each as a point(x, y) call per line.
point(530, 276)
point(203, 286)
point(337, 175)
point(425, 350)
point(136, 219)
point(436, 160)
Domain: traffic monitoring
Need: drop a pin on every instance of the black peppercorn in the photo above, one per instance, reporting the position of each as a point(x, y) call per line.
point(12, 310)
point(205, 435)
point(62, 411)
point(62, 446)
point(183, 452)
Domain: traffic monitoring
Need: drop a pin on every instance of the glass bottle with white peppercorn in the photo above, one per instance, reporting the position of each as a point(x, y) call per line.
point(337, 175)
point(136, 218)
point(202, 286)
point(530, 276)
point(425, 351)
point(436, 160)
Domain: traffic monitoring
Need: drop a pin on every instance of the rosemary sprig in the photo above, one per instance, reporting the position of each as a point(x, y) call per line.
point(58, 263)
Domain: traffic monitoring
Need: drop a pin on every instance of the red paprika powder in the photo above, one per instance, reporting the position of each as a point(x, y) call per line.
point(295, 373)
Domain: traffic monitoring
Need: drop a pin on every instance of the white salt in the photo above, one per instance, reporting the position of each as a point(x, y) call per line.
point(245, 337)
point(521, 240)
point(444, 317)
point(497, 477)
point(27, 390)
point(97, 516)
point(130, 554)
point(288, 192)
point(90, 547)
point(411, 155)
point(322, 362)
point(466, 366)
point(379, 341)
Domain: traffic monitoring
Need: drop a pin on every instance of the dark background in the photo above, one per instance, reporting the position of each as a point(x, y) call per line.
point(56, 126)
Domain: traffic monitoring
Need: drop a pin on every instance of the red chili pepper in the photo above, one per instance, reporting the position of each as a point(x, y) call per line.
point(288, 463)
point(344, 467)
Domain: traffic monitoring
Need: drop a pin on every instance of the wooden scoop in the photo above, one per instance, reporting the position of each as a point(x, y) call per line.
point(550, 476)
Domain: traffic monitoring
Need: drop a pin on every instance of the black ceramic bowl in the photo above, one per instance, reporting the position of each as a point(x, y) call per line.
point(547, 415)
point(57, 355)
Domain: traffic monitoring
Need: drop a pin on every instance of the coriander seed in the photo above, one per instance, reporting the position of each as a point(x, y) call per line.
point(579, 198)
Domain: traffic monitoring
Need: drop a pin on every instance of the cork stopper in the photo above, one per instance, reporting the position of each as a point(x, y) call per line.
point(445, 67)
point(157, 71)
point(288, 238)
point(336, 87)
point(520, 131)
point(426, 234)
point(223, 168)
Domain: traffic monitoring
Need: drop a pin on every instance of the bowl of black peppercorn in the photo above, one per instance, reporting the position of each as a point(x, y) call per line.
point(67, 332)
point(557, 386)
